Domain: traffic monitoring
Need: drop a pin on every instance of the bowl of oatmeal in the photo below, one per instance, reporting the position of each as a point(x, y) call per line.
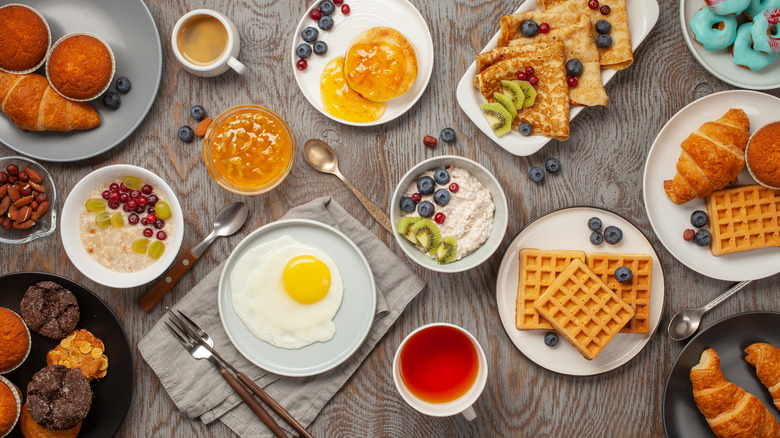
point(449, 214)
point(122, 226)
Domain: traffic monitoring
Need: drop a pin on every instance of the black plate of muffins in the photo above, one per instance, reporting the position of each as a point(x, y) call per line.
point(111, 394)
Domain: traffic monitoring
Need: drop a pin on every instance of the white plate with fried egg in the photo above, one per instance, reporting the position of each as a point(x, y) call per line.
point(297, 297)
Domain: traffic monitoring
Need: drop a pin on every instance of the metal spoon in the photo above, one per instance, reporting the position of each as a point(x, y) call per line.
point(322, 157)
point(228, 221)
point(686, 322)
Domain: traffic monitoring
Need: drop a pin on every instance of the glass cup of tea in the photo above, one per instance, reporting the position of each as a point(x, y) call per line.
point(440, 370)
point(206, 43)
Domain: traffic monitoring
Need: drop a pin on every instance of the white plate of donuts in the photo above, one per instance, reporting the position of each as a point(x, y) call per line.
point(728, 27)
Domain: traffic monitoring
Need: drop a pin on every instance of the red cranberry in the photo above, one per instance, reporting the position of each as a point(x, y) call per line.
point(301, 64)
point(113, 205)
point(114, 187)
point(338, 2)
point(544, 28)
point(315, 14)
point(161, 235)
point(132, 219)
point(593, 4)
point(131, 204)
point(605, 10)
point(150, 210)
point(454, 187)
point(688, 235)
point(439, 218)
point(152, 199)
point(345, 9)
point(142, 201)
point(140, 209)
point(533, 80)
point(126, 208)
point(123, 197)
point(147, 189)
point(151, 218)
point(12, 169)
point(134, 194)
point(113, 197)
point(521, 76)
point(159, 224)
point(416, 197)
point(429, 141)
point(106, 195)
point(148, 232)
point(123, 187)
point(572, 81)
point(530, 71)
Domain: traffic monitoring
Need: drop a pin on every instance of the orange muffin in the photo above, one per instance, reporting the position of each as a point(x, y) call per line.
point(10, 405)
point(24, 39)
point(31, 429)
point(14, 340)
point(80, 67)
point(763, 155)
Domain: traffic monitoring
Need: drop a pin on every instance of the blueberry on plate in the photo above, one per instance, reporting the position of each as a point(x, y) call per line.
point(112, 100)
point(529, 28)
point(441, 197)
point(623, 274)
point(310, 34)
point(596, 238)
point(447, 135)
point(186, 133)
point(536, 174)
point(327, 7)
point(552, 165)
point(303, 51)
point(325, 23)
point(320, 47)
point(441, 176)
point(699, 219)
point(603, 41)
point(197, 112)
point(426, 185)
point(123, 85)
point(703, 238)
point(407, 204)
point(613, 235)
point(425, 209)
point(574, 67)
point(525, 128)
point(603, 26)
point(551, 339)
point(594, 223)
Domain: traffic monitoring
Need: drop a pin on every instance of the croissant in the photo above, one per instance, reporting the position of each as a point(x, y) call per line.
point(766, 359)
point(712, 156)
point(33, 105)
point(729, 410)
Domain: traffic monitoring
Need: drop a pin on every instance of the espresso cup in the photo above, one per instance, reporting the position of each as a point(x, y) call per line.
point(218, 65)
point(440, 392)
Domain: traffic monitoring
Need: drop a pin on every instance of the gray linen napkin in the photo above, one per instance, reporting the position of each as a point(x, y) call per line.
point(198, 390)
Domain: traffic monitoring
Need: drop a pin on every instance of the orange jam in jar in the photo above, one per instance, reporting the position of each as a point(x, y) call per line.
point(248, 149)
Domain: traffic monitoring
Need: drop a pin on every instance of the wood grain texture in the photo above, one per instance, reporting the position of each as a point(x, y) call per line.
point(602, 166)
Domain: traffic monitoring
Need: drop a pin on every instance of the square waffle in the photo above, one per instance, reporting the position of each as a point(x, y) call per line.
point(744, 218)
point(538, 270)
point(636, 293)
point(583, 309)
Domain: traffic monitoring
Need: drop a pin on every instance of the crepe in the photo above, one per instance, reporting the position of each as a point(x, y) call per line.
point(549, 115)
point(617, 56)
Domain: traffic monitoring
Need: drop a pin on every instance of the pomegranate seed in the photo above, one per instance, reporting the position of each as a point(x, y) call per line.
point(593, 4)
point(301, 64)
point(338, 2)
point(159, 224)
point(132, 219)
point(113, 197)
point(135, 193)
point(439, 218)
point(131, 204)
point(530, 71)
point(123, 197)
point(315, 14)
point(148, 232)
point(416, 197)
point(114, 187)
point(106, 195)
point(151, 218)
point(521, 76)
point(429, 141)
point(572, 81)
point(454, 187)
point(161, 235)
point(533, 80)
point(113, 205)
point(605, 10)
point(688, 235)
point(123, 187)
point(140, 209)
point(544, 28)
point(152, 199)
point(345, 9)
point(147, 189)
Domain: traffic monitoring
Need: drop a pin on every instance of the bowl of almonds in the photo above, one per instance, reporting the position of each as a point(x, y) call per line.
point(28, 200)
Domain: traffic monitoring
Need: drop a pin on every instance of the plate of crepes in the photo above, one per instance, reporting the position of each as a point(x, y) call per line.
point(726, 381)
point(297, 297)
point(701, 188)
point(734, 40)
point(576, 303)
point(72, 122)
point(363, 63)
point(76, 346)
point(551, 59)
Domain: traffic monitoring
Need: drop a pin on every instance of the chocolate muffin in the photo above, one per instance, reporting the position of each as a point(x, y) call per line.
point(58, 397)
point(24, 39)
point(50, 310)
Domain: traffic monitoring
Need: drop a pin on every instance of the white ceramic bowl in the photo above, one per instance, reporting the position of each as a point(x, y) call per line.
point(69, 228)
point(500, 217)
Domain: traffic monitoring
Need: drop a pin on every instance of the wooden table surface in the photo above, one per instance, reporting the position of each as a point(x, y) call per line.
point(602, 162)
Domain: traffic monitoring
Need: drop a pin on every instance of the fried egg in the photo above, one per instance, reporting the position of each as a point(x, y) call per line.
point(287, 293)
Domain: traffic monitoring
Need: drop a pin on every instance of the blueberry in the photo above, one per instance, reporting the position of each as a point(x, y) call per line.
point(123, 85)
point(596, 238)
point(613, 235)
point(552, 165)
point(702, 238)
point(441, 197)
point(320, 47)
point(525, 128)
point(112, 100)
point(536, 174)
point(327, 7)
point(603, 26)
point(594, 223)
point(441, 176)
point(623, 274)
point(303, 51)
point(551, 339)
point(425, 209)
point(447, 135)
point(186, 133)
point(574, 67)
point(325, 23)
point(699, 219)
point(310, 34)
point(426, 185)
point(407, 205)
point(197, 112)
point(603, 41)
point(529, 28)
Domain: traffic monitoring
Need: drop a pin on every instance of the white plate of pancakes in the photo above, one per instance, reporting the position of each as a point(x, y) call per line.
point(567, 229)
point(670, 220)
point(642, 16)
point(400, 15)
point(720, 62)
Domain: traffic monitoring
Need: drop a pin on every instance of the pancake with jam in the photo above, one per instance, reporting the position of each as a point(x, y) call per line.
point(381, 64)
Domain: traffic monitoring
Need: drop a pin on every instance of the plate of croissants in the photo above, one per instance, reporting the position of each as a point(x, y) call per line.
point(726, 381)
point(702, 201)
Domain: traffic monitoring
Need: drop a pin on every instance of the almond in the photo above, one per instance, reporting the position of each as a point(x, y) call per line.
point(4, 190)
point(4, 204)
point(6, 223)
point(202, 127)
point(24, 225)
point(21, 202)
point(13, 192)
point(12, 212)
point(43, 207)
point(37, 187)
point(24, 214)
point(33, 175)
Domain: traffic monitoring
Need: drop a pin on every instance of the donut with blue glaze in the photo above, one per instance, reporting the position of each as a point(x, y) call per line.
point(713, 31)
point(745, 55)
point(757, 6)
point(766, 31)
point(727, 7)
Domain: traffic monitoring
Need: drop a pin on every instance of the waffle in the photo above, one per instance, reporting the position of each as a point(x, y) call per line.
point(583, 309)
point(538, 270)
point(636, 293)
point(744, 218)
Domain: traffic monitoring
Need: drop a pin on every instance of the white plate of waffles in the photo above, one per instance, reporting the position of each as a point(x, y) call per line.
point(567, 230)
point(642, 16)
point(669, 220)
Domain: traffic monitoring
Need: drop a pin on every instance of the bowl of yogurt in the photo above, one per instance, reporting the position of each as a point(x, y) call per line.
point(449, 214)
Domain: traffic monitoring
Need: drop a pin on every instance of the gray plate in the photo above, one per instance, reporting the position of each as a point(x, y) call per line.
point(128, 27)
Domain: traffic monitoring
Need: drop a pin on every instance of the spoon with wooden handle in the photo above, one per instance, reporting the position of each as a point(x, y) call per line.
point(228, 221)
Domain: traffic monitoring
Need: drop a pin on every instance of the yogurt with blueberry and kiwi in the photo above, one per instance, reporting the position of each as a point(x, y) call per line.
point(447, 213)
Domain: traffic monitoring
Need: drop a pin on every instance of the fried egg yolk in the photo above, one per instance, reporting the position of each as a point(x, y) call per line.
point(306, 279)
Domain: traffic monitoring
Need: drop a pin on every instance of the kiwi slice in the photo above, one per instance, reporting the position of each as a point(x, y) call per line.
point(506, 103)
point(513, 91)
point(446, 250)
point(498, 117)
point(404, 228)
point(427, 234)
point(528, 91)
